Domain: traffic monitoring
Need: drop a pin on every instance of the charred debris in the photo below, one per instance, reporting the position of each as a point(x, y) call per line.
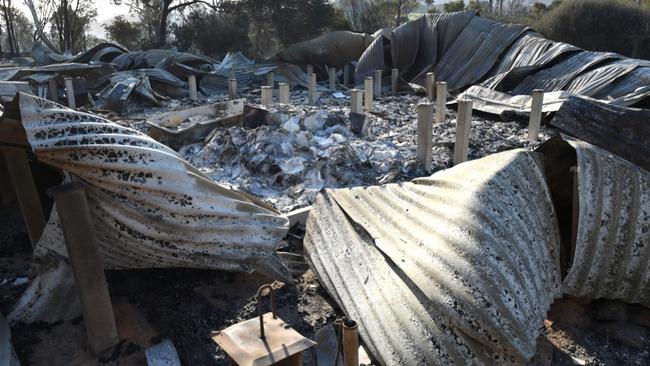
point(453, 191)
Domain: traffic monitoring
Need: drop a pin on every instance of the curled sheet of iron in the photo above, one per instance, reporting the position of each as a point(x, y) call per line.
point(612, 252)
point(334, 49)
point(457, 268)
point(150, 207)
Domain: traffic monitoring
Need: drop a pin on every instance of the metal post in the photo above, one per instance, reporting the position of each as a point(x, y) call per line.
point(310, 69)
point(350, 335)
point(425, 135)
point(270, 79)
point(346, 75)
point(394, 79)
point(53, 90)
point(357, 97)
point(312, 88)
point(232, 88)
point(441, 100)
point(26, 192)
point(429, 85)
point(331, 72)
point(267, 95)
point(535, 114)
point(194, 95)
point(83, 253)
point(69, 88)
point(461, 146)
point(367, 90)
point(378, 82)
point(283, 91)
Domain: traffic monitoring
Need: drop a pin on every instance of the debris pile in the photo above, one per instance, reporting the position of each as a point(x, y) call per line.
point(458, 267)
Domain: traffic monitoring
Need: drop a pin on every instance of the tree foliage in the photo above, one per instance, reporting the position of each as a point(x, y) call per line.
point(69, 23)
point(128, 34)
point(455, 5)
point(599, 25)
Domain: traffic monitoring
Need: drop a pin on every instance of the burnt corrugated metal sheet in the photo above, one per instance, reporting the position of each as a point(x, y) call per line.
point(457, 268)
point(475, 52)
point(332, 49)
point(612, 250)
point(464, 49)
point(149, 206)
point(560, 75)
point(528, 54)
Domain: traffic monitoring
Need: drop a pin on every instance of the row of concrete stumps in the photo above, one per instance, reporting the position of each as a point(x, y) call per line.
point(362, 101)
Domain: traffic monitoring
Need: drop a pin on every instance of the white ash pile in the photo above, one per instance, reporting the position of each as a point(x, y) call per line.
point(303, 149)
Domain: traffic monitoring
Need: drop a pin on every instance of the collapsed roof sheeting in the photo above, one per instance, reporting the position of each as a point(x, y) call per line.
point(183, 64)
point(528, 54)
point(475, 51)
point(612, 250)
point(456, 268)
point(333, 49)
point(103, 52)
point(150, 208)
point(560, 75)
point(464, 50)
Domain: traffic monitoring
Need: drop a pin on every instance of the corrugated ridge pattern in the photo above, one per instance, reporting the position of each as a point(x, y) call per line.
point(560, 75)
point(150, 207)
point(529, 53)
point(475, 51)
point(469, 246)
point(612, 254)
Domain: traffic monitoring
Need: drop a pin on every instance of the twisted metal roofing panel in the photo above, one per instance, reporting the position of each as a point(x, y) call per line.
point(560, 75)
point(475, 52)
point(528, 54)
point(612, 252)
point(149, 206)
point(456, 268)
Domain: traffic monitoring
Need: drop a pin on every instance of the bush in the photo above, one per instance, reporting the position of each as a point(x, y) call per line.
point(598, 25)
point(211, 33)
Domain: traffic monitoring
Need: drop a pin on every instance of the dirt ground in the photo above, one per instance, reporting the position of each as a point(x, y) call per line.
point(186, 306)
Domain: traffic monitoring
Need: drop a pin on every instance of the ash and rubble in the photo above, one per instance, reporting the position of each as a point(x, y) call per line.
point(304, 148)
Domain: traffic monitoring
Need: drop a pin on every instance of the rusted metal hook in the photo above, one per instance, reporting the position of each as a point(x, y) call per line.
point(259, 306)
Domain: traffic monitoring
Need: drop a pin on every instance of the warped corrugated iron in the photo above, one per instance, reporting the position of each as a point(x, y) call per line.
point(560, 75)
point(475, 51)
point(332, 49)
point(150, 207)
point(528, 54)
point(466, 50)
point(457, 268)
point(612, 250)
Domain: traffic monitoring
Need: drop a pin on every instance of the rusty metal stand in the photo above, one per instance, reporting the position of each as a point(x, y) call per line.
point(26, 192)
point(83, 252)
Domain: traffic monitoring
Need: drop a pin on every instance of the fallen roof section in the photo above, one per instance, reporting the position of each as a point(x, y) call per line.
point(452, 269)
point(466, 50)
point(149, 206)
point(612, 249)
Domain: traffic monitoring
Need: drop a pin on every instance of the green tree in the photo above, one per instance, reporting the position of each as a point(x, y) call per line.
point(275, 24)
point(156, 13)
point(231, 30)
point(127, 33)
point(599, 25)
point(452, 6)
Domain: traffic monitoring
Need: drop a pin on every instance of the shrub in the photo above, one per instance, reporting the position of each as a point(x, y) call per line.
point(598, 25)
